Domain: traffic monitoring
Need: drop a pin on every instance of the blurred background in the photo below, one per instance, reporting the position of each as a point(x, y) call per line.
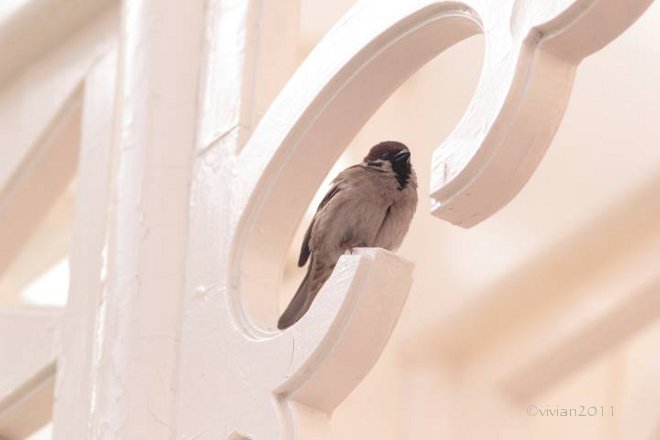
point(552, 303)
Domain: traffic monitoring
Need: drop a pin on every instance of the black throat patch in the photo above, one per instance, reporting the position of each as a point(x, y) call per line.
point(402, 173)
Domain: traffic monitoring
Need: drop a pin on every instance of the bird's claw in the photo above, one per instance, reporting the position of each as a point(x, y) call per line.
point(356, 244)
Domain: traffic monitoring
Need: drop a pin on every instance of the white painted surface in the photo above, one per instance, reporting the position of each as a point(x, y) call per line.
point(134, 383)
point(28, 350)
point(203, 202)
point(532, 51)
point(291, 145)
point(41, 107)
point(82, 327)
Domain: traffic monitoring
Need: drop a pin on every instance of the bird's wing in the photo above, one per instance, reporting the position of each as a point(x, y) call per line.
point(382, 224)
point(304, 249)
point(334, 190)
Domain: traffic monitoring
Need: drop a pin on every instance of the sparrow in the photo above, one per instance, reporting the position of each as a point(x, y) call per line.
point(370, 204)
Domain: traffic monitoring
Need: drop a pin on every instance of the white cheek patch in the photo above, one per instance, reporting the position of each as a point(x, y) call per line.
point(380, 164)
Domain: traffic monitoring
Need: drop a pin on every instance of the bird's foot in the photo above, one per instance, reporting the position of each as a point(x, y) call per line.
point(348, 248)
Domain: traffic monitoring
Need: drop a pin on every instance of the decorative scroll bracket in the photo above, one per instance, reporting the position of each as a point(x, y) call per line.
point(285, 384)
point(532, 51)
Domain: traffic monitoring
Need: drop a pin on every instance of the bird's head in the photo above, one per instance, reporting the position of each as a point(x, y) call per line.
point(391, 155)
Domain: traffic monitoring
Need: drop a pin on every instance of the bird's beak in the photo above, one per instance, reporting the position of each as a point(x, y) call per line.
point(401, 156)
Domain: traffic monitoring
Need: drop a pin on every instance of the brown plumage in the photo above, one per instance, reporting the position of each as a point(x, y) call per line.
point(368, 205)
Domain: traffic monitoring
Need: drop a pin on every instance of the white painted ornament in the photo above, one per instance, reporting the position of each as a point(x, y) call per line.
point(178, 331)
point(285, 385)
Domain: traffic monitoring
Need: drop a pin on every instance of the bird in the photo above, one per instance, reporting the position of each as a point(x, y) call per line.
point(370, 204)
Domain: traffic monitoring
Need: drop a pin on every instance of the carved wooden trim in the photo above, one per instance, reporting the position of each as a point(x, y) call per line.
point(185, 345)
point(82, 322)
point(532, 51)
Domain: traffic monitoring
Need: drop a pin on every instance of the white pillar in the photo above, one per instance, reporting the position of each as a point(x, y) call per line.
point(77, 361)
point(134, 391)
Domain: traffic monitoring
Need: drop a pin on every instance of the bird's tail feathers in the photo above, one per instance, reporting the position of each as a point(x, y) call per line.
point(300, 303)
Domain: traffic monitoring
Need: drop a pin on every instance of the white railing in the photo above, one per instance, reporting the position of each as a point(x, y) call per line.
point(189, 195)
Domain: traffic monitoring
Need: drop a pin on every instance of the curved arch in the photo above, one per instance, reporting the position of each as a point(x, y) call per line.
point(346, 78)
point(343, 82)
point(520, 100)
point(484, 163)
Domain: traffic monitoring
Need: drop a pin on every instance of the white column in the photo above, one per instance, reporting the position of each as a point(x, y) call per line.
point(250, 52)
point(77, 360)
point(135, 390)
